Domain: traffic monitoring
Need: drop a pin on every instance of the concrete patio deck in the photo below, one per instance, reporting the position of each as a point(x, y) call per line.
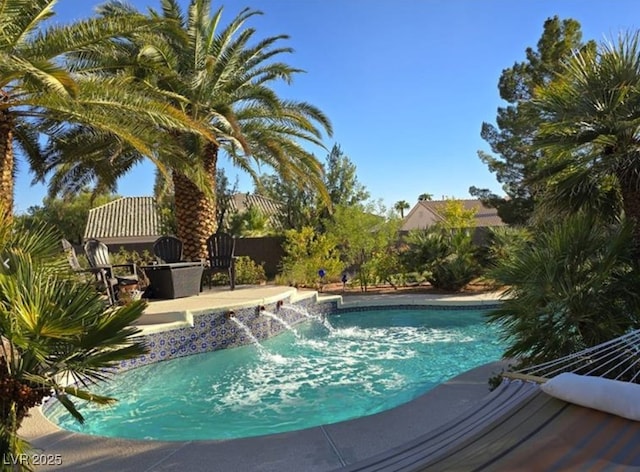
point(322, 448)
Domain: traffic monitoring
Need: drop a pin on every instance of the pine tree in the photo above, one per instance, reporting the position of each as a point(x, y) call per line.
point(514, 162)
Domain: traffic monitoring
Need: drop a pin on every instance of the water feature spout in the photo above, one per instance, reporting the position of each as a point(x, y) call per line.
point(260, 309)
point(230, 314)
point(322, 319)
point(282, 322)
point(247, 331)
point(279, 303)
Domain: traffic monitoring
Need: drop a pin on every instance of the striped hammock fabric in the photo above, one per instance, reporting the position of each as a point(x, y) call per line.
point(520, 428)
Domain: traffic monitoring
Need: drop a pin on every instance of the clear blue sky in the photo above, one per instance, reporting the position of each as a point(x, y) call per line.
point(406, 83)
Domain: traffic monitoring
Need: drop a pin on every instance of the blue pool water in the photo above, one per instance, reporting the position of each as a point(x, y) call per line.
point(368, 362)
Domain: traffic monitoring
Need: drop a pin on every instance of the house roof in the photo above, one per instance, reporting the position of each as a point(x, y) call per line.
point(127, 219)
point(240, 202)
point(136, 219)
point(428, 212)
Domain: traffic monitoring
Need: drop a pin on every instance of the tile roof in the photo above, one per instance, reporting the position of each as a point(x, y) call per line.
point(136, 218)
point(127, 217)
point(485, 217)
point(270, 208)
point(241, 201)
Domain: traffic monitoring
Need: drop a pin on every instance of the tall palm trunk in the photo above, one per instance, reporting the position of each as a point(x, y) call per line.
point(6, 165)
point(195, 210)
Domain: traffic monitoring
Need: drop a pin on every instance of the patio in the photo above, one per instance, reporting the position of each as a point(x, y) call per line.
point(161, 312)
point(320, 448)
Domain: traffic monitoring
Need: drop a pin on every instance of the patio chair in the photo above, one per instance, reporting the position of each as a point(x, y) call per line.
point(98, 256)
point(168, 249)
point(221, 249)
point(104, 282)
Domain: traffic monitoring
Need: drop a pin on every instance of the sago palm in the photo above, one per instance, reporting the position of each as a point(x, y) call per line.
point(592, 126)
point(57, 336)
point(42, 96)
point(223, 78)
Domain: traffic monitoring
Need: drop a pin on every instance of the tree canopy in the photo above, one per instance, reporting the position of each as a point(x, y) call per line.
point(514, 161)
point(53, 93)
point(591, 130)
point(224, 78)
point(301, 204)
point(68, 215)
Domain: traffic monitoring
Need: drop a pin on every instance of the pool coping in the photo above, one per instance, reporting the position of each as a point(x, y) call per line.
point(321, 448)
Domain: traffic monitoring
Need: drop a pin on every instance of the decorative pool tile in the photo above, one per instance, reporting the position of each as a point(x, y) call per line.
point(212, 331)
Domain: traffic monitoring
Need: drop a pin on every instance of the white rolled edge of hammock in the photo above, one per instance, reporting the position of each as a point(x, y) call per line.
point(611, 396)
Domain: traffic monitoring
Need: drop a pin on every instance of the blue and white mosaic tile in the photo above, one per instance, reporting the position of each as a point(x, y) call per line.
point(212, 330)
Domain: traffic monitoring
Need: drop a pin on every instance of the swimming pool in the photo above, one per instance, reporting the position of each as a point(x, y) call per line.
point(363, 363)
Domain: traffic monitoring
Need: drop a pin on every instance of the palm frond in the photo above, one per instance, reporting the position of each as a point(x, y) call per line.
point(568, 288)
point(20, 18)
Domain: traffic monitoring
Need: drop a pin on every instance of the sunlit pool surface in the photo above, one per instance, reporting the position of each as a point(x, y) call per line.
point(362, 363)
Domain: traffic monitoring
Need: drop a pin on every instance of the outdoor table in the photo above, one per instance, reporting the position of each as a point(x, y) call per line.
point(175, 280)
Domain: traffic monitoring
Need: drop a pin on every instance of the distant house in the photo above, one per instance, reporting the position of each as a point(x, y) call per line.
point(426, 213)
point(133, 223)
point(127, 220)
point(241, 202)
point(135, 220)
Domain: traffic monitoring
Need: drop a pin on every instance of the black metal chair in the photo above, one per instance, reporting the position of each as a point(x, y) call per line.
point(168, 249)
point(98, 256)
point(221, 248)
point(104, 282)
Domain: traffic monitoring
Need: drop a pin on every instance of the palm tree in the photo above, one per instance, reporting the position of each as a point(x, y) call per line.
point(570, 285)
point(401, 206)
point(57, 335)
point(592, 125)
point(227, 83)
point(425, 197)
point(43, 95)
point(222, 78)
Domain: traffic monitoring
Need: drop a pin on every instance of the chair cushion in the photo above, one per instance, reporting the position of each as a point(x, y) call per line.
point(611, 396)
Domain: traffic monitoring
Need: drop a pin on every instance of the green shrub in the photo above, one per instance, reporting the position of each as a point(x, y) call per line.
point(446, 256)
point(127, 257)
point(575, 285)
point(414, 278)
point(454, 272)
point(505, 242)
point(306, 252)
point(248, 272)
point(385, 267)
point(364, 237)
point(124, 257)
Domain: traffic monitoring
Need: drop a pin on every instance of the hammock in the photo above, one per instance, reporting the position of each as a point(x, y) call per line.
point(618, 359)
point(520, 428)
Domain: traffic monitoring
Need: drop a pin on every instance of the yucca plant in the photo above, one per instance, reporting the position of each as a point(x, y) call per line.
point(58, 335)
point(572, 286)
